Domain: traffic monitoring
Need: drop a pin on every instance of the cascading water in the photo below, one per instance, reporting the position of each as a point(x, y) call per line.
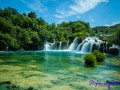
point(47, 46)
point(79, 47)
point(85, 46)
point(67, 43)
point(60, 45)
point(91, 46)
point(106, 47)
point(98, 45)
point(53, 45)
point(73, 45)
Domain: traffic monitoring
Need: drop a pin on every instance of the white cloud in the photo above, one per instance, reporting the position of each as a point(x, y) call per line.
point(63, 13)
point(79, 7)
point(35, 5)
point(58, 16)
point(82, 6)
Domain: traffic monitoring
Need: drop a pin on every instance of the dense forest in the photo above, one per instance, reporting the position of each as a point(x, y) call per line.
point(29, 32)
point(110, 34)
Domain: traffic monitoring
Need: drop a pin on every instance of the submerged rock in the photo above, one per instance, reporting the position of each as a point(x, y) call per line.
point(55, 81)
point(83, 76)
point(77, 86)
point(6, 82)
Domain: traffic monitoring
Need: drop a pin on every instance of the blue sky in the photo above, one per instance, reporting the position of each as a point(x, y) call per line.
point(96, 12)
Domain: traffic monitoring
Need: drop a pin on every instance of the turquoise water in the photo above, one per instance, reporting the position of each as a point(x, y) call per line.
point(55, 70)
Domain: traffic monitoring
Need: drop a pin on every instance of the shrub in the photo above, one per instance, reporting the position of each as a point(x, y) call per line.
point(95, 52)
point(99, 56)
point(90, 60)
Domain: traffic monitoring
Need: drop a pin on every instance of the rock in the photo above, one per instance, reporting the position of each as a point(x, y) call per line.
point(82, 76)
point(55, 81)
point(61, 78)
point(77, 86)
point(113, 51)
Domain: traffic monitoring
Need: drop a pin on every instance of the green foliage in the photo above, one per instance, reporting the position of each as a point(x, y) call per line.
point(90, 60)
point(27, 31)
point(5, 25)
point(99, 56)
point(9, 40)
point(107, 33)
point(95, 52)
point(116, 35)
point(32, 15)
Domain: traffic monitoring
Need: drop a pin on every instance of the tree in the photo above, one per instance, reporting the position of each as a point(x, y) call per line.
point(32, 15)
point(116, 39)
point(8, 40)
point(29, 32)
point(24, 38)
point(5, 25)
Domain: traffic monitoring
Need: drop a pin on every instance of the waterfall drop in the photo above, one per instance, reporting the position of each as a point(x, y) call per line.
point(74, 44)
point(87, 45)
point(47, 46)
point(60, 45)
point(79, 47)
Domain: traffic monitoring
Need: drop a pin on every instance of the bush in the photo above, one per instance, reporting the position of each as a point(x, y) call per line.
point(95, 52)
point(90, 60)
point(99, 56)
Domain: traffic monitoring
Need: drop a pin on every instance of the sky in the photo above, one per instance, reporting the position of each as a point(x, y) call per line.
point(95, 12)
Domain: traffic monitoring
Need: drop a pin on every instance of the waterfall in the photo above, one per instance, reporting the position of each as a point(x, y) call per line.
point(60, 45)
point(79, 47)
point(85, 47)
point(73, 45)
point(6, 49)
point(53, 45)
point(87, 44)
point(91, 46)
point(47, 46)
point(98, 45)
point(67, 43)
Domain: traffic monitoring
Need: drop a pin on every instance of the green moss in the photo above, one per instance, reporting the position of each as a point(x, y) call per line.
point(99, 56)
point(90, 60)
